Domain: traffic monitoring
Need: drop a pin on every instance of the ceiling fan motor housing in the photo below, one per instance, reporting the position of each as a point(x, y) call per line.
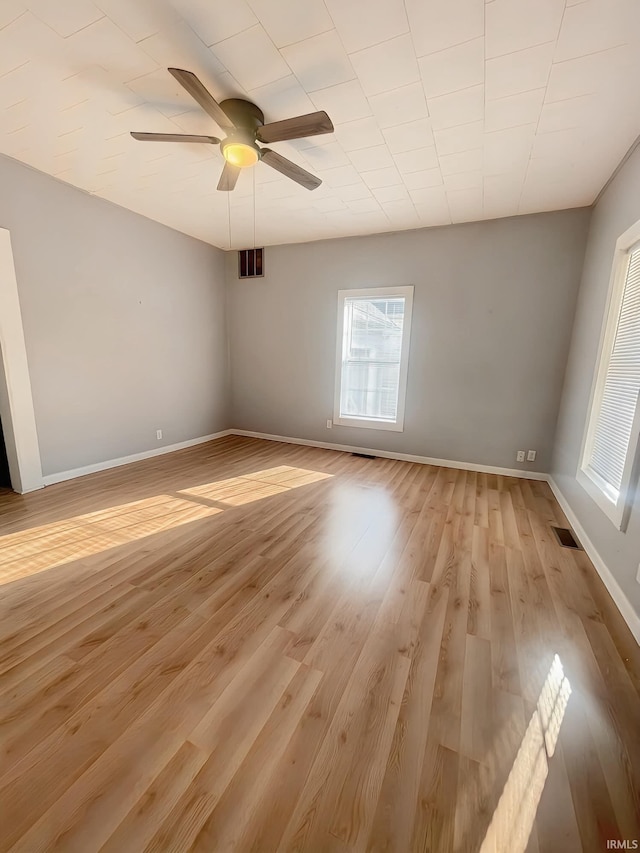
point(243, 114)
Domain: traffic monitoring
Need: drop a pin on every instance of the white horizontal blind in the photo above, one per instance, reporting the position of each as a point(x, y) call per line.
point(617, 408)
point(371, 356)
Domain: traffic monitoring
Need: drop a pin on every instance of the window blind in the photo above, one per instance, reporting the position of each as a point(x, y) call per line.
point(619, 396)
point(371, 356)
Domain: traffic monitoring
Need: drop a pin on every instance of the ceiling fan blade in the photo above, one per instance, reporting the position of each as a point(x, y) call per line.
point(312, 124)
point(173, 137)
point(202, 95)
point(229, 177)
point(291, 170)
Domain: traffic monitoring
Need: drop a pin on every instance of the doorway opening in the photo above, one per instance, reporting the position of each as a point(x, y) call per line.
point(5, 476)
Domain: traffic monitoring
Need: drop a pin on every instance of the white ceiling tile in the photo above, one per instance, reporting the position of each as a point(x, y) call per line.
point(353, 192)
point(328, 205)
point(461, 138)
point(514, 110)
point(214, 23)
point(440, 24)
point(362, 133)
point(319, 62)
point(465, 205)
point(386, 66)
point(68, 17)
point(162, 91)
point(376, 157)
point(573, 112)
point(387, 177)
point(555, 143)
point(402, 212)
point(508, 150)
point(453, 69)
point(398, 192)
point(326, 156)
point(342, 176)
point(282, 99)
point(361, 25)
point(406, 137)
point(423, 179)
point(597, 72)
point(26, 36)
point(10, 10)
point(364, 205)
point(139, 20)
point(286, 23)
point(463, 180)
point(513, 25)
point(597, 25)
point(102, 43)
point(400, 106)
point(252, 58)
point(344, 103)
point(502, 193)
point(465, 161)
point(517, 72)
point(461, 107)
point(432, 206)
point(417, 160)
point(178, 46)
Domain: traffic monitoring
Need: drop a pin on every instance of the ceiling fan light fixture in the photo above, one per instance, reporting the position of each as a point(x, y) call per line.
point(240, 154)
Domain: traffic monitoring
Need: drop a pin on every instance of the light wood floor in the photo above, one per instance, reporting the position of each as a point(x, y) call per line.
point(257, 647)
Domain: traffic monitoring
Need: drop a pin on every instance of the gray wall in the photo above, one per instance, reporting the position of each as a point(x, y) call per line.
point(616, 211)
point(493, 308)
point(124, 323)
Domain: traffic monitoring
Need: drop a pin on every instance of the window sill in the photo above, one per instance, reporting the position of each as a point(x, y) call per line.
point(365, 423)
point(615, 512)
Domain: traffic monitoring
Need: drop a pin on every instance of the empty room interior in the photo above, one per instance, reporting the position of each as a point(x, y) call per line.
point(319, 426)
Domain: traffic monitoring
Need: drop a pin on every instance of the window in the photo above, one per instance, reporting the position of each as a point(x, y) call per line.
point(611, 438)
point(372, 357)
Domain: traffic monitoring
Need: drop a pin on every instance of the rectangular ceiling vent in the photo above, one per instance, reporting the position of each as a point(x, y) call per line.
point(251, 263)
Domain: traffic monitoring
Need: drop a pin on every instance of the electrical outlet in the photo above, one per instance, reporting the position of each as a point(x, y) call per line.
point(158, 434)
point(329, 423)
point(531, 456)
point(520, 456)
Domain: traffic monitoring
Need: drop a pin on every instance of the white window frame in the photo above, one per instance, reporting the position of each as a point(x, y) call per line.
point(371, 293)
point(616, 510)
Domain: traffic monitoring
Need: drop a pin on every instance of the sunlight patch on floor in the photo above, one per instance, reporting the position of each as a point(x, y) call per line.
point(28, 552)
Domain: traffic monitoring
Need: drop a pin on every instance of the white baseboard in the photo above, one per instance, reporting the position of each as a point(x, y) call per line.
point(620, 599)
point(50, 479)
point(388, 454)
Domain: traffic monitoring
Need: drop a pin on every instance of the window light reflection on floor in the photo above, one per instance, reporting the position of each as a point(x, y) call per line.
point(513, 818)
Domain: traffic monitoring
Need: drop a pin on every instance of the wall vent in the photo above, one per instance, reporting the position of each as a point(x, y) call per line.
point(251, 263)
point(566, 538)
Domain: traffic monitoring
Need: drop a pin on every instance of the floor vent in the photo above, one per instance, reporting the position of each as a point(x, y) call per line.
point(566, 538)
point(364, 455)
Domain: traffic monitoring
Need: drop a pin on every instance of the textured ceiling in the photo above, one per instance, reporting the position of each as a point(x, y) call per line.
point(444, 110)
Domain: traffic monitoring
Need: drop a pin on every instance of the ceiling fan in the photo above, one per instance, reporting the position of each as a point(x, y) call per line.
point(243, 122)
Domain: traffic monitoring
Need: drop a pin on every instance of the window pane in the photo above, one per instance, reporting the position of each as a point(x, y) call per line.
point(371, 352)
